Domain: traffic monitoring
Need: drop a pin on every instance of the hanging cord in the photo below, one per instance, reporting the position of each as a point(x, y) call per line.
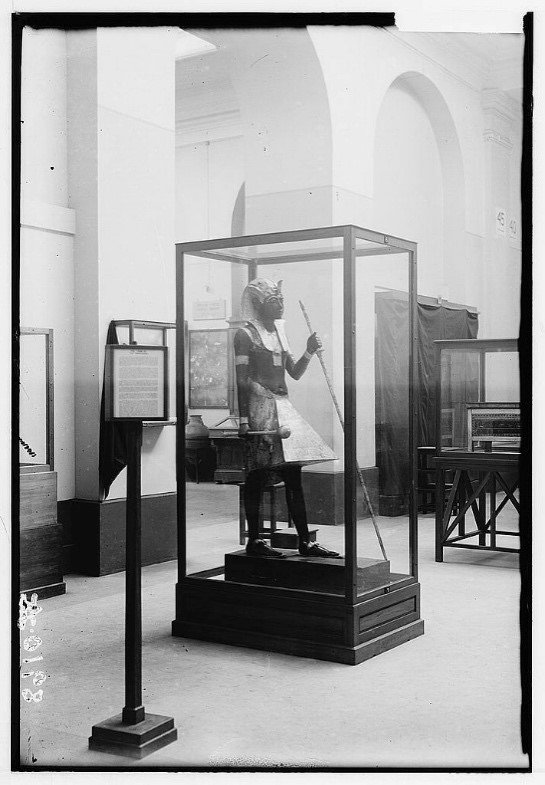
point(341, 420)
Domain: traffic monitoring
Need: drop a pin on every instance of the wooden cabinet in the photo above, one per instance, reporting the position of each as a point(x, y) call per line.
point(40, 535)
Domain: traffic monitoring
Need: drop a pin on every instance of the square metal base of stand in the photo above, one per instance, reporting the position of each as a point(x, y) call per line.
point(133, 741)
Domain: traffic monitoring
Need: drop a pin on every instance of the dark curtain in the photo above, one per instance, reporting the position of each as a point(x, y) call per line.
point(112, 456)
point(392, 402)
point(391, 386)
point(437, 322)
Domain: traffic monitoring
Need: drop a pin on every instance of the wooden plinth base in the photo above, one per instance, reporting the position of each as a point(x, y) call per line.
point(133, 741)
point(301, 623)
point(288, 538)
point(302, 572)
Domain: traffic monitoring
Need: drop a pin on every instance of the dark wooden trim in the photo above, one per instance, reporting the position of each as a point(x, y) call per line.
point(479, 344)
point(295, 235)
point(413, 414)
point(181, 407)
point(350, 512)
point(50, 415)
point(478, 460)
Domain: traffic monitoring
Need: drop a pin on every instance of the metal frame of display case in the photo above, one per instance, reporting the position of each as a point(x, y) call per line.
point(40, 534)
point(384, 617)
point(476, 474)
point(49, 407)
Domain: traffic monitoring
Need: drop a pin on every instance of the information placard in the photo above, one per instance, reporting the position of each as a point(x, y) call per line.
point(136, 385)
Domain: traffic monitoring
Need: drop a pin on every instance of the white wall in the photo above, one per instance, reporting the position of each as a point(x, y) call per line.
point(359, 66)
point(209, 175)
point(136, 172)
point(47, 227)
point(408, 184)
point(208, 178)
point(121, 123)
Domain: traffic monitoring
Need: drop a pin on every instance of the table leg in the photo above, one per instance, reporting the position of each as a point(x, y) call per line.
point(462, 498)
point(241, 516)
point(493, 510)
point(481, 523)
point(272, 503)
point(439, 512)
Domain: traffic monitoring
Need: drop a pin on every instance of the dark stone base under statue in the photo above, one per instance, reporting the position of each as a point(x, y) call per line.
point(303, 572)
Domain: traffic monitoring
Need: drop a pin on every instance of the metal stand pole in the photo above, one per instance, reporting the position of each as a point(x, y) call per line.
point(133, 733)
point(133, 710)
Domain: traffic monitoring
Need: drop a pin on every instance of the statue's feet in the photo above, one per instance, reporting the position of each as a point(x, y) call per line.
point(260, 548)
point(316, 550)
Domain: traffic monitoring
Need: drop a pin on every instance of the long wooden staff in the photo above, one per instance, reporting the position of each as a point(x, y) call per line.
point(341, 420)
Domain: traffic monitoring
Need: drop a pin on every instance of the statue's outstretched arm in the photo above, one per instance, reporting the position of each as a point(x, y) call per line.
point(297, 369)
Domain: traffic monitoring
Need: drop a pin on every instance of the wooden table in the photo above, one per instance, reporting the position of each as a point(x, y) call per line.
point(475, 477)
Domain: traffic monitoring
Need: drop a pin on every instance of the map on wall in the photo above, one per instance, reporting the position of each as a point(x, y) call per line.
point(208, 369)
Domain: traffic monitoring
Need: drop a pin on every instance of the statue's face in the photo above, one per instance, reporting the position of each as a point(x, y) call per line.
point(273, 306)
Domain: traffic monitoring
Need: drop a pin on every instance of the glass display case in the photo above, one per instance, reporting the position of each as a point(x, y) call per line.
point(478, 397)
point(36, 399)
point(478, 438)
point(320, 453)
point(40, 534)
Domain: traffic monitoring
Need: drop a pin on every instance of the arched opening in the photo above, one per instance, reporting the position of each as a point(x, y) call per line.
point(419, 180)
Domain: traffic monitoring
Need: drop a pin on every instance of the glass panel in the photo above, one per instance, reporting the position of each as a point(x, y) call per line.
point(171, 344)
point(213, 468)
point(295, 251)
point(382, 421)
point(479, 399)
point(148, 336)
point(461, 385)
point(502, 377)
point(284, 251)
point(122, 333)
point(317, 286)
point(303, 462)
point(33, 400)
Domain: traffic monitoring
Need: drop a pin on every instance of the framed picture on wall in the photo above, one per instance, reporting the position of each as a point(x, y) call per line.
point(208, 369)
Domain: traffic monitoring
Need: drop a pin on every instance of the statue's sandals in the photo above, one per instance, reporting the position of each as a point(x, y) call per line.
point(314, 549)
point(260, 548)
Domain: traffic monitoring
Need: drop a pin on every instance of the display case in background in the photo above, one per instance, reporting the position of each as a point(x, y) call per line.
point(40, 534)
point(349, 609)
point(478, 438)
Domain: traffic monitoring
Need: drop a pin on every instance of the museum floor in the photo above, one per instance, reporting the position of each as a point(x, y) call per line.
point(450, 698)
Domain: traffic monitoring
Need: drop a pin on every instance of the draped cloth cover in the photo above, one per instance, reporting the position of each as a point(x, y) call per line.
point(435, 322)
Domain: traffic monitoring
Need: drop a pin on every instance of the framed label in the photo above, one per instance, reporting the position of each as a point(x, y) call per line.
point(136, 383)
point(209, 309)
